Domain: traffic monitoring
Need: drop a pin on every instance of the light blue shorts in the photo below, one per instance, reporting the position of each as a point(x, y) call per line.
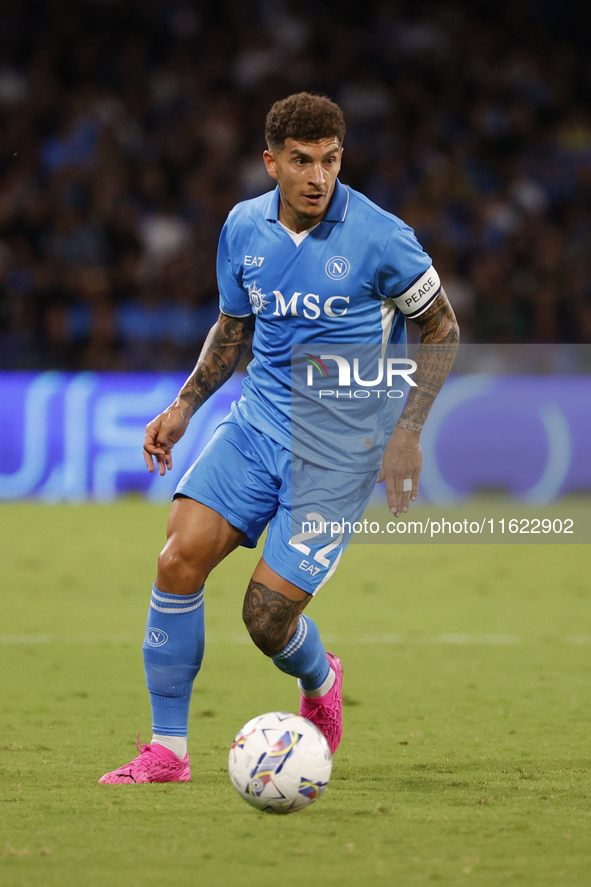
point(252, 481)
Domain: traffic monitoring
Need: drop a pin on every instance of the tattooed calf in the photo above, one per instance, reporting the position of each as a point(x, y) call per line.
point(270, 617)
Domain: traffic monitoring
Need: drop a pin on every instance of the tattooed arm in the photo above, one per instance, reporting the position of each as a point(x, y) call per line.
point(402, 457)
point(228, 340)
point(440, 336)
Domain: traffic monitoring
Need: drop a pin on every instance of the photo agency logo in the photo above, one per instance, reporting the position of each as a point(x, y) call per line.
point(387, 373)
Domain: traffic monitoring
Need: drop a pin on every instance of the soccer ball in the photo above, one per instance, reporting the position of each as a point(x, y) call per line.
point(280, 762)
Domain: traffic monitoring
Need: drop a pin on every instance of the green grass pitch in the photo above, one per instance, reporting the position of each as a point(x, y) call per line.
point(467, 744)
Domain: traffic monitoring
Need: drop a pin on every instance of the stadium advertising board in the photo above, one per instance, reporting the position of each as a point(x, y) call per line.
point(78, 437)
point(499, 427)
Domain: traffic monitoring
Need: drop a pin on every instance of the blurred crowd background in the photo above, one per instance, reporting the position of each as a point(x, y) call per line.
point(129, 128)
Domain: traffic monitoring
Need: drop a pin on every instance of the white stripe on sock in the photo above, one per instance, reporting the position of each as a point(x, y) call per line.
point(176, 609)
point(296, 641)
point(180, 598)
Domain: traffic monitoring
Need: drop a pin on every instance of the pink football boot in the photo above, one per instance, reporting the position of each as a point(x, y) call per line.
point(326, 712)
point(153, 764)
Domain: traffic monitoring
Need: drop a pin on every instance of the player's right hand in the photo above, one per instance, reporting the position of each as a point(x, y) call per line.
point(161, 435)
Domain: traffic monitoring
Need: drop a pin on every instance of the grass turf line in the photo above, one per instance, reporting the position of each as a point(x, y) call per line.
point(460, 761)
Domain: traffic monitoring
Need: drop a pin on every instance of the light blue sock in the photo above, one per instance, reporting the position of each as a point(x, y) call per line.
point(173, 651)
point(305, 656)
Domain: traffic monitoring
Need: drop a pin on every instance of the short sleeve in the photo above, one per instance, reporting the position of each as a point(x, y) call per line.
point(406, 273)
point(233, 300)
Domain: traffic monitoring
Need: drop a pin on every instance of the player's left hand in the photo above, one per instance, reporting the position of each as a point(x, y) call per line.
point(402, 460)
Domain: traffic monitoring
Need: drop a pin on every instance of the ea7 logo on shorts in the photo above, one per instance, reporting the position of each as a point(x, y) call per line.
point(337, 267)
point(307, 567)
point(156, 637)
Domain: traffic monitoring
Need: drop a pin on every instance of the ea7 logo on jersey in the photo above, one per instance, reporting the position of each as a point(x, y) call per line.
point(253, 260)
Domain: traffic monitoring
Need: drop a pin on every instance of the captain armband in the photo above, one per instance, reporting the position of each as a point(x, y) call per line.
point(420, 294)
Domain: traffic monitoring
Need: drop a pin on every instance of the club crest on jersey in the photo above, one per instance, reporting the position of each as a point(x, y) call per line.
point(257, 298)
point(337, 268)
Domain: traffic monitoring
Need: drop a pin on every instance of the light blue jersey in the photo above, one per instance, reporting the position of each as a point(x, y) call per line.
point(352, 279)
point(282, 460)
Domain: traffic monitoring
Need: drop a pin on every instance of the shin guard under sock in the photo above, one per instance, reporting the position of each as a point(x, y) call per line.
point(173, 651)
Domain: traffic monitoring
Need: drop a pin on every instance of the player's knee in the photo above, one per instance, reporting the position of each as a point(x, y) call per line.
point(261, 633)
point(270, 625)
point(179, 569)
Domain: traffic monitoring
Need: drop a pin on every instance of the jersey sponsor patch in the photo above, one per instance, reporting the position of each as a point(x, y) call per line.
point(420, 294)
point(256, 298)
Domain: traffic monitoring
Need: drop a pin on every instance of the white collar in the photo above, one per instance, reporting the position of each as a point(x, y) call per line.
point(298, 237)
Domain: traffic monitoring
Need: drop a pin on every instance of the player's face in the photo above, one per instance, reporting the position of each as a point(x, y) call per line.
point(306, 173)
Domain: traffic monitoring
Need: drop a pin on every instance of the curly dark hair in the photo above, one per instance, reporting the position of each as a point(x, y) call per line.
point(305, 117)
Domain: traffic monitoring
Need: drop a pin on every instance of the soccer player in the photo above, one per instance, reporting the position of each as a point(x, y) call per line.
point(312, 261)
